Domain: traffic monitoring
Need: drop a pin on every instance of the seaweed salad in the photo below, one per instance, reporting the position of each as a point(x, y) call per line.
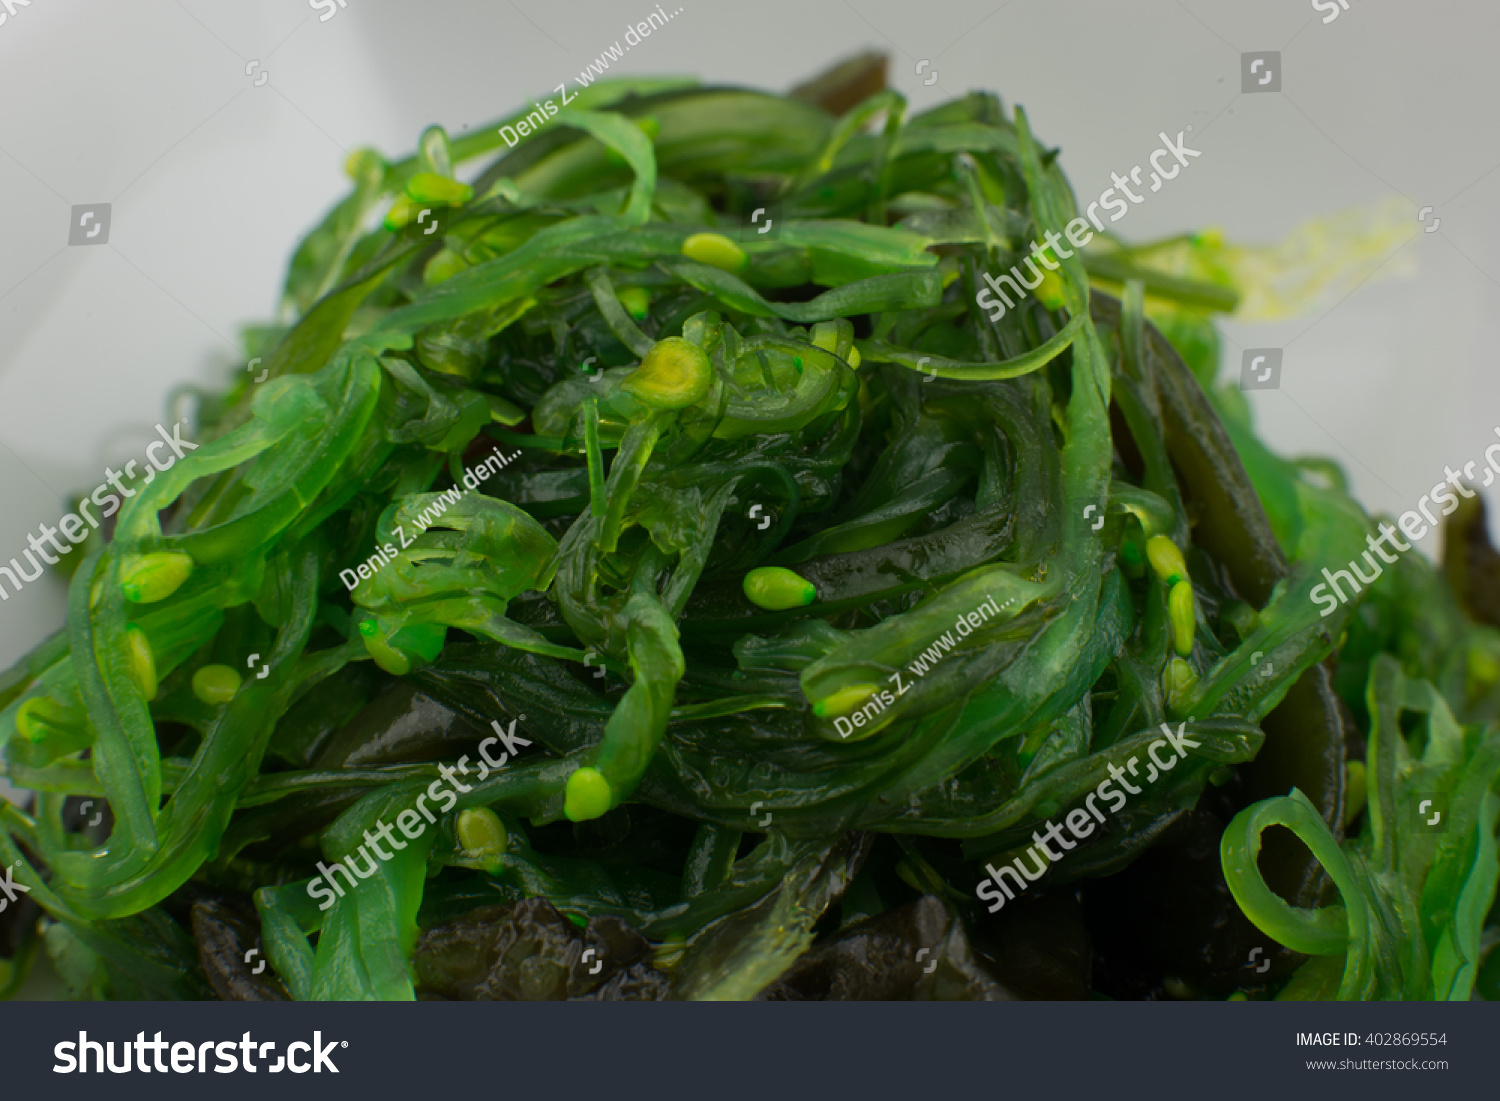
point(639, 566)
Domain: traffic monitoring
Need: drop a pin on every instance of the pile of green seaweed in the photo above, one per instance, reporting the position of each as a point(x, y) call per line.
point(543, 624)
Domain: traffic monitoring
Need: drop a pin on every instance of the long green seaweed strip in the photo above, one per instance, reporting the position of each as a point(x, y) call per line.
point(619, 321)
point(878, 351)
point(1323, 932)
point(368, 934)
point(640, 718)
point(889, 102)
point(122, 880)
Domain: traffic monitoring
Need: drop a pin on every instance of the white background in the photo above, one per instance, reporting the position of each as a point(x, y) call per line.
point(145, 104)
